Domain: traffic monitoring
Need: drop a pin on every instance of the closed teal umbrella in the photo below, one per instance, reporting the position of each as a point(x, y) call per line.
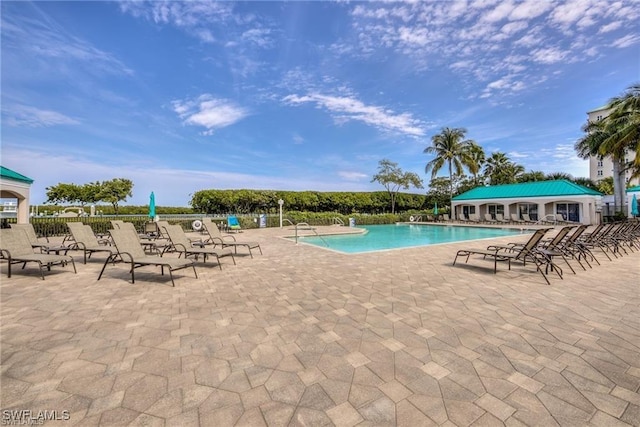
point(634, 206)
point(152, 206)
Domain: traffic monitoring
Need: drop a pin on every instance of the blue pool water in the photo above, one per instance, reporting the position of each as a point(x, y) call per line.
point(382, 237)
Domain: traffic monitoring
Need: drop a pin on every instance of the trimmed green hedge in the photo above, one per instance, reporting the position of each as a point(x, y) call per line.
point(56, 226)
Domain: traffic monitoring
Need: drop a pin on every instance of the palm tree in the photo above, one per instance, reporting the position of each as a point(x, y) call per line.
point(495, 163)
point(500, 170)
point(559, 175)
point(450, 147)
point(532, 176)
point(476, 161)
point(593, 144)
point(586, 182)
point(625, 117)
point(613, 136)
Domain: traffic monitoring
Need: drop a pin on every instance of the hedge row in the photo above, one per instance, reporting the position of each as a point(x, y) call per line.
point(345, 203)
point(54, 226)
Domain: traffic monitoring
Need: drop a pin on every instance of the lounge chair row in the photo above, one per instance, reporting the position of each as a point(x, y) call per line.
point(123, 245)
point(615, 239)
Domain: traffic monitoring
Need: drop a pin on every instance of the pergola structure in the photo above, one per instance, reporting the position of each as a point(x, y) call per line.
point(15, 185)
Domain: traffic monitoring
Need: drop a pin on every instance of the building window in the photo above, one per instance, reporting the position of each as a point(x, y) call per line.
point(598, 117)
point(600, 163)
point(599, 173)
point(568, 211)
point(529, 208)
point(495, 209)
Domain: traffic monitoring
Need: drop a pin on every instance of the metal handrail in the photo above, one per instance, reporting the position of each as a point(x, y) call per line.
point(308, 227)
point(337, 221)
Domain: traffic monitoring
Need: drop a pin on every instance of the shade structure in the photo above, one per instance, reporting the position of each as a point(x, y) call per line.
point(435, 209)
point(634, 206)
point(152, 205)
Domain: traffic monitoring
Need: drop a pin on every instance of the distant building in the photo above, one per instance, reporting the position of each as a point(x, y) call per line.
point(15, 186)
point(600, 168)
point(560, 199)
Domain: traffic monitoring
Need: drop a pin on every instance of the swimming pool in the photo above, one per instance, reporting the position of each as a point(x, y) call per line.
point(396, 236)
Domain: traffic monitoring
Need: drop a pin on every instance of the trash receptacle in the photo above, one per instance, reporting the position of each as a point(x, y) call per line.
point(352, 222)
point(263, 221)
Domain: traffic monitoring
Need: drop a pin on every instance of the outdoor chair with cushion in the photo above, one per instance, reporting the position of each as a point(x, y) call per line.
point(87, 242)
point(527, 219)
point(16, 248)
point(31, 235)
point(233, 224)
point(488, 218)
point(515, 218)
point(180, 243)
point(501, 218)
point(216, 238)
point(150, 244)
point(130, 250)
point(524, 253)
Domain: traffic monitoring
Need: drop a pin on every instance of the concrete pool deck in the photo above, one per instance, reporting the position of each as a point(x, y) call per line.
point(305, 336)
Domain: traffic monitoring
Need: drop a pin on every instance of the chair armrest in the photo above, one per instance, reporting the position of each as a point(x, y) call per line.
point(122, 254)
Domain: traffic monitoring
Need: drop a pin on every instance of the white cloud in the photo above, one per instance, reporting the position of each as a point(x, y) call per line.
point(25, 116)
point(297, 139)
point(474, 37)
point(53, 47)
point(209, 112)
point(352, 176)
point(172, 186)
point(548, 55)
point(626, 41)
point(344, 109)
point(530, 9)
point(612, 26)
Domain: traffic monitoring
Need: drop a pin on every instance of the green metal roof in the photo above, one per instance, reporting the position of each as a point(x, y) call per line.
point(15, 176)
point(559, 187)
point(633, 189)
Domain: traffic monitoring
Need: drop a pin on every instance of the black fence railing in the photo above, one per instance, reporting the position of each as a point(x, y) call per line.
point(611, 212)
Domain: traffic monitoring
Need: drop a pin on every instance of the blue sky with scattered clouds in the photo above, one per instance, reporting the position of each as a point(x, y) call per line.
point(184, 96)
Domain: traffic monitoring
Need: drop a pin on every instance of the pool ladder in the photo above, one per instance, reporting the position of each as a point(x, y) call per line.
point(306, 226)
point(337, 221)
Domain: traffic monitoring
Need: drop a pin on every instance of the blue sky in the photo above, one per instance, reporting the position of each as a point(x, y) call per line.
point(184, 96)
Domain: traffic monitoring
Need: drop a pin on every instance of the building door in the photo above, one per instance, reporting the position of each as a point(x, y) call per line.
point(568, 211)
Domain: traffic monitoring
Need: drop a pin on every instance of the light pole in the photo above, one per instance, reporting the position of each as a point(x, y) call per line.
point(280, 202)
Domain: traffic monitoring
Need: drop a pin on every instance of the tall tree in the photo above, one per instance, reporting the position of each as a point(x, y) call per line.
point(586, 182)
point(451, 148)
point(476, 161)
point(115, 191)
point(593, 144)
point(391, 177)
point(613, 136)
point(532, 176)
point(625, 119)
point(499, 169)
point(559, 175)
point(605, 185)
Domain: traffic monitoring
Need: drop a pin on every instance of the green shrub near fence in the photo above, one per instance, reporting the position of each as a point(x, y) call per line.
point(57, 226)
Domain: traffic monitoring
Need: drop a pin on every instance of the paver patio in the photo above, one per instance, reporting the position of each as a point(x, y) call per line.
point(305, 336)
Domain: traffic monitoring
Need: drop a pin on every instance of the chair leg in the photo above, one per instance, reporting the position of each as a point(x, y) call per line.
point(105, 265)
point(41, 272)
